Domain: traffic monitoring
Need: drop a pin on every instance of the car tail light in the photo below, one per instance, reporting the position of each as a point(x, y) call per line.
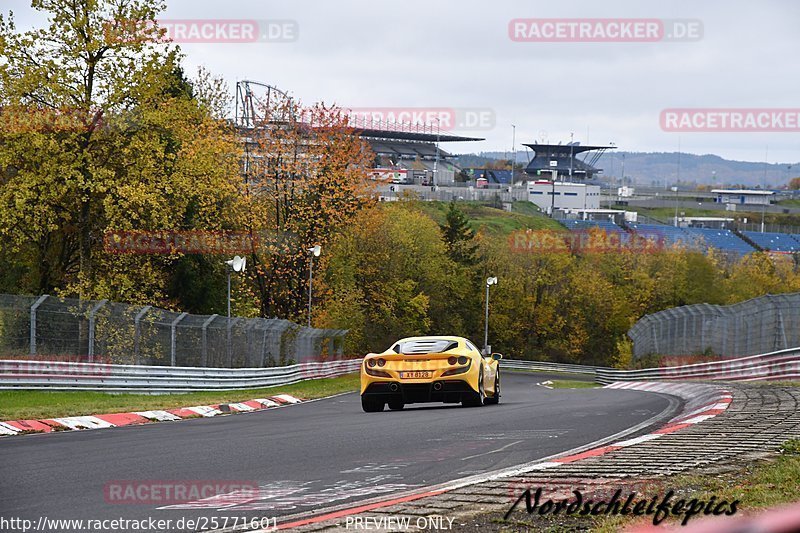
point(462, 360)
point(377, 373)
point(371, 362)
point(452, 360)
point(381, 362)
point(458, 370)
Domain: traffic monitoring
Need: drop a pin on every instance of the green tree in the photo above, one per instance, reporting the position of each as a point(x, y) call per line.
point(459, 236)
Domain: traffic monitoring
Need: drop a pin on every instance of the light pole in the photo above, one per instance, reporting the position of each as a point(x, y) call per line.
point(489, 282)
point(314, 252)
point(436, 161)
point(571, 153)
point(237, 264)
point(513, 150)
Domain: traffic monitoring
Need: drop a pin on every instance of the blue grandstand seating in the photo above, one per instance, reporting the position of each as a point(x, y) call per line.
point(722, 239)
point(694, 238)
point(668, 235)
point(776, 242)
point(607, 225)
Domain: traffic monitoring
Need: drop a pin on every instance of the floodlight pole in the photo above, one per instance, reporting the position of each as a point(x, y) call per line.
point(229, 292)
point(513, 150)
point(312, 252)
point(436, 160)
point(310, 282)
point(571, 154)
point(489, 282)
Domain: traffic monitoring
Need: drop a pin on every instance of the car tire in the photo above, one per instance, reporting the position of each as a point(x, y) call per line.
point(396, 405)
point(495, 398)
point(475, 399)
point(371, 405)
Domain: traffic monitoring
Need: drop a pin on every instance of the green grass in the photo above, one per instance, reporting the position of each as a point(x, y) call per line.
point(21, 405)
point(492, 220)
point(570, 384)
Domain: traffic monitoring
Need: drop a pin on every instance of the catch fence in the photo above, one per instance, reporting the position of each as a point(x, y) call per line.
point(47, 327)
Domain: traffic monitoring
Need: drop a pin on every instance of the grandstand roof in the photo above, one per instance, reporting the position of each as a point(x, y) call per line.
point(399, 135)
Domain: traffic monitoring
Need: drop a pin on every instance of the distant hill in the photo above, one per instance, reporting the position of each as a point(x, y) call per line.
point(661, 168)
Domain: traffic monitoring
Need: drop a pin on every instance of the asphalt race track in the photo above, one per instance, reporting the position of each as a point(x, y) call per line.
point(306, 456)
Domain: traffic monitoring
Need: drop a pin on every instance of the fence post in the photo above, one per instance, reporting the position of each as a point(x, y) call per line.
point(35, 306)
point(92, 315)
point(172, 336)
point(207, 323)
point(137, 331)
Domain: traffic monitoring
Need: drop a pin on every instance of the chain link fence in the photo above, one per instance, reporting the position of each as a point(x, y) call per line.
point(761, 325)
point(44, 327)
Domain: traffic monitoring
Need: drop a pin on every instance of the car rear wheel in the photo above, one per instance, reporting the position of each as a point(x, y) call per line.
point(475, 399)
point(494, 398)
point(371, 405)
point(396, 405)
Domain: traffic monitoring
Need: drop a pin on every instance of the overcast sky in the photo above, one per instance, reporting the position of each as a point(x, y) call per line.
point(458, 54)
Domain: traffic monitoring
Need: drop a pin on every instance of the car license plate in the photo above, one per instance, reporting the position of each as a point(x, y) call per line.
point(416, 374)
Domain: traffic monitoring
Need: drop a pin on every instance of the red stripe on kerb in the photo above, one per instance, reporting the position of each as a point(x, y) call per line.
point(30, 425)
point(183, 413)
point(590, 453)
point(123, 419)
point(671, 428)
point(360, 509)
point(254, 404)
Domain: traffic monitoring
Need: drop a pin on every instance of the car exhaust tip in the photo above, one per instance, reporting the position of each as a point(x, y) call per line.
point(437, 386)
point(393, 387)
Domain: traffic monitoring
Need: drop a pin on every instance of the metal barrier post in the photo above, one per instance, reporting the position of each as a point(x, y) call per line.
point(35, 306)
point(172, 336)
point(92, 315)
point(137, 331)
point(207, 323)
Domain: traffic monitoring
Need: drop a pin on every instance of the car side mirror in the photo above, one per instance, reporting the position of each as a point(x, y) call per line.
point(497, 356)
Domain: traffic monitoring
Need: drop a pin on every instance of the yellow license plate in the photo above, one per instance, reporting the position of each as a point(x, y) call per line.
point(416, 374)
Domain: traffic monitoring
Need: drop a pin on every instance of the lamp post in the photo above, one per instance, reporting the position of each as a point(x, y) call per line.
point(436, 161)
point(237, 264)
point(489, 282)
point(571, 153)
point(314, 252)
point(513, 150)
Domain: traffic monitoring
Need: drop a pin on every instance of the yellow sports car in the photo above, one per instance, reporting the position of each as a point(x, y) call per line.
point(429, 369)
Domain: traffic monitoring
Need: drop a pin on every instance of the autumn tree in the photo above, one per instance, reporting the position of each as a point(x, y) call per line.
point(102, 131)
point(307, 180)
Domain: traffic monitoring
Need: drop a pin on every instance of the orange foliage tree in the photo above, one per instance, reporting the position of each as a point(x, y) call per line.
point(306, 179)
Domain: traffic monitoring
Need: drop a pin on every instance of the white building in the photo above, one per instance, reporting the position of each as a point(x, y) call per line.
point(562, 195)
point(743, 196)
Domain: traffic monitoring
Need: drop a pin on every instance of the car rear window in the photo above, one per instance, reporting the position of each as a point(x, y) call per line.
point(425, 346)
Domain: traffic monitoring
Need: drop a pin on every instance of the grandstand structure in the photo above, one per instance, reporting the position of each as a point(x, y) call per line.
point(700, 239)
point(563, 158)
point(412, 149)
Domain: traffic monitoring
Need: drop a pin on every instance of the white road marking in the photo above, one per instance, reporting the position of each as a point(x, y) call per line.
point(493, 451)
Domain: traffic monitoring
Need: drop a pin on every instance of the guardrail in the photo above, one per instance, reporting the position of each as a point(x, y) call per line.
point(516, 364)
point(55, 375)
point(780, 365)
